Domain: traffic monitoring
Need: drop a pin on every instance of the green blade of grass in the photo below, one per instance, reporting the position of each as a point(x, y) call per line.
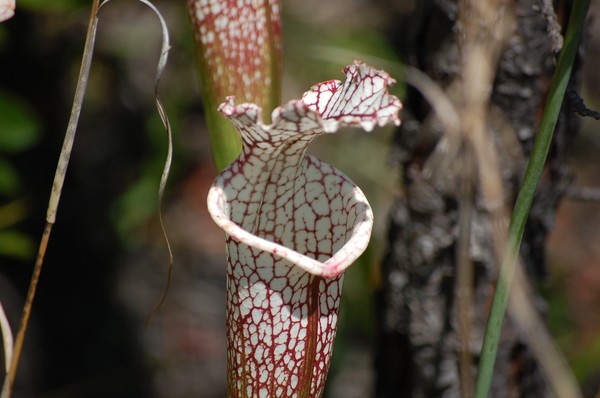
point(526, 195)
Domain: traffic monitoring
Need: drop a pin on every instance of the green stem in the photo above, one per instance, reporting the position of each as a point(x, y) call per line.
point(224, 139)
point(526, 195)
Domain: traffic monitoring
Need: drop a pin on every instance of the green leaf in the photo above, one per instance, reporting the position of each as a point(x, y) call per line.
point(9, 178)
point(19, 126)
point(136, 206)
point(16, 245)
point(13, 212)
point(524, 201)
point(45, 5)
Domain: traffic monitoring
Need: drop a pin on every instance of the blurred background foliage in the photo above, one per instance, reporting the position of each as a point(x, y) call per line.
point(20, 131)
point(106, 265)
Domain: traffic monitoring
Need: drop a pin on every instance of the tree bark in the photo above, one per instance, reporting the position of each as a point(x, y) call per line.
point(420, 345)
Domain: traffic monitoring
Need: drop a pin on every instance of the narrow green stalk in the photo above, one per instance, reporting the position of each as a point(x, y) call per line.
point(224, 139)
point(526, 195)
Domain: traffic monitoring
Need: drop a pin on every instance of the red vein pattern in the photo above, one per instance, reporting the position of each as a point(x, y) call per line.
point(240, 41)
point(293, 225)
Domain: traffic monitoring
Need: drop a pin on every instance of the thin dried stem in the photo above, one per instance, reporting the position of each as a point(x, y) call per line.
point(59, 179)
point(485, 26)
point(162, 62)
point(160, 67)
point(18, 347)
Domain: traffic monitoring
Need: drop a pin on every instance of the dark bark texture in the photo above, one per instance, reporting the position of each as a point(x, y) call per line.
point(419, 338)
